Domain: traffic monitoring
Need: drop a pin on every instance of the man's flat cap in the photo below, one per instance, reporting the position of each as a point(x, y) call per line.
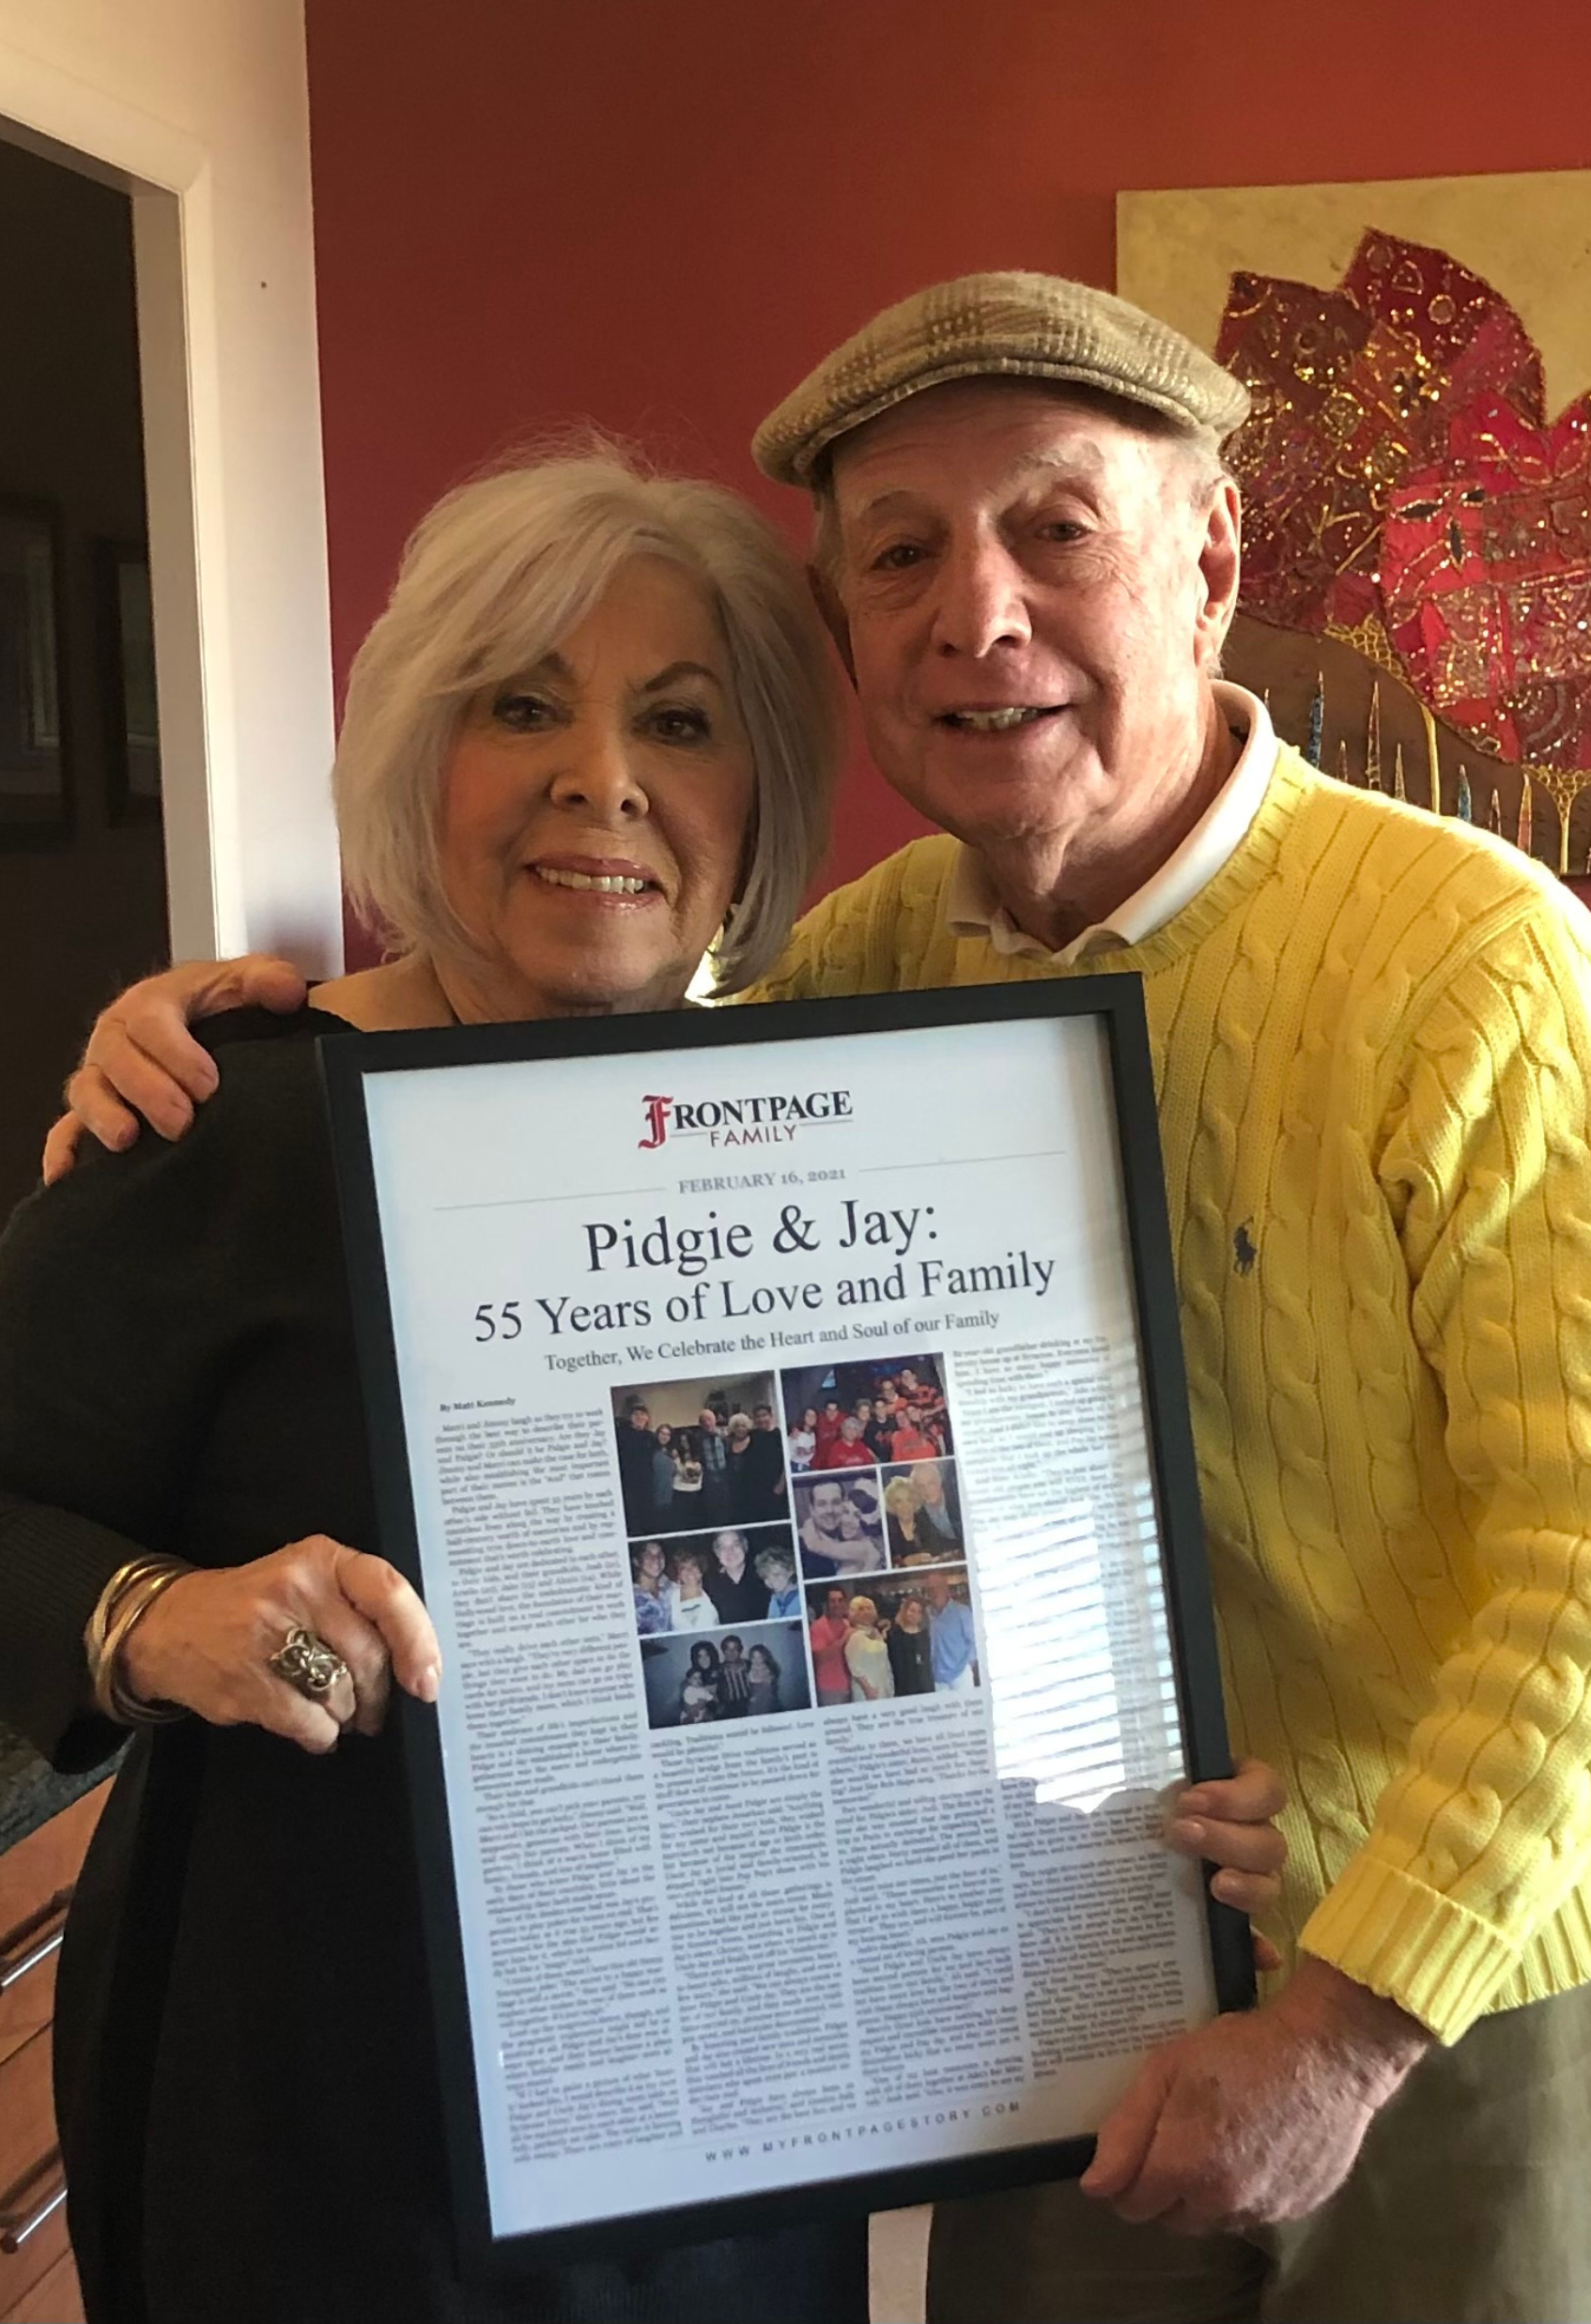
point(1009, 326)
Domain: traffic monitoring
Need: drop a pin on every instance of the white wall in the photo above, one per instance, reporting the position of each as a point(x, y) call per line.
point(201, 107)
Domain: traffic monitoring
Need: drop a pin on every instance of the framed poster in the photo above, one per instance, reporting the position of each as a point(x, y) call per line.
point(34, 789)
point(781, 1412)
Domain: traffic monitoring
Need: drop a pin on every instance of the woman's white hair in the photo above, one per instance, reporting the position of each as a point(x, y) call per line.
point(493, 579)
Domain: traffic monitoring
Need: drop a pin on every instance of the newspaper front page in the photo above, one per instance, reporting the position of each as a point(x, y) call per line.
point(775, 1424)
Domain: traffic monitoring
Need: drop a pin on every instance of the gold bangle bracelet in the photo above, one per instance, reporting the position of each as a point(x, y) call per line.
point(125, 1605)
point(96, 1628)
point(115, 1699)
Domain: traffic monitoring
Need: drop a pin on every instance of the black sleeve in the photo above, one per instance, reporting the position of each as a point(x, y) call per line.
point(120, 1289)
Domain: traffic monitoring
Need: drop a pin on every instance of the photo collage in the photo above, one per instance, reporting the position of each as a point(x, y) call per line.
point(796, 1539)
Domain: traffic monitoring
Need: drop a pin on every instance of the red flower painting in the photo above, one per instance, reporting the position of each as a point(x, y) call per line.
point(1400, 466)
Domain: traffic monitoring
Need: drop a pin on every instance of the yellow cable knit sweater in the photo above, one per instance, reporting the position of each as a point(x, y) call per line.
point(1373, 1059)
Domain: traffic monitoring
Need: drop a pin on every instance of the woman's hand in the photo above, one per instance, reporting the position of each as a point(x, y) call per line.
point(140, 1050)
point(1229, 1824)
point(206, 1641)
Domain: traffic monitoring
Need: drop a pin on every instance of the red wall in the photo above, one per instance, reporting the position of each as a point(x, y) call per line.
point(658, 213)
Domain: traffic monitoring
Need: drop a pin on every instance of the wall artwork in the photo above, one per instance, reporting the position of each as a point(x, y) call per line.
point(1415, 472)
point(127, 649)
point(34, 793)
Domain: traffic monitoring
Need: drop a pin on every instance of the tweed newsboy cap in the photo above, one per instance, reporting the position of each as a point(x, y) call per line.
point(1019, 326)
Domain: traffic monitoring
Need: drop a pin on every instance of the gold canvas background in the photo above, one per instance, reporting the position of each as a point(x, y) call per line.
point(1529, 234)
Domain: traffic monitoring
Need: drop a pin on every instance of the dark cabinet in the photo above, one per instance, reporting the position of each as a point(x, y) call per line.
point(38, 2282)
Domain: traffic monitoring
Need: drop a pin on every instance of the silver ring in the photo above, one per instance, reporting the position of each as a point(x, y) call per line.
point(309, 1664)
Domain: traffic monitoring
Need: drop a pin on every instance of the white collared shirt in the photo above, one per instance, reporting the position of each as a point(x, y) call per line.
point(973, 909)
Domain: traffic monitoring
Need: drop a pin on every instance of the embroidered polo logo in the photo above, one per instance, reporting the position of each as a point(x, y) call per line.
point(1244, 1252)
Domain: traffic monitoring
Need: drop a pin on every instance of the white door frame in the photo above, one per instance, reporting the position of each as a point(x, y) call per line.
point(251, 848)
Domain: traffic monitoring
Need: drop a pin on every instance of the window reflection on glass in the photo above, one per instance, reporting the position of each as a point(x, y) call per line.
point(1083, 1685)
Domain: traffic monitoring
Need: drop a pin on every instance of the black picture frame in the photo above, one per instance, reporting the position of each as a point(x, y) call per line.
point(37, 799)
point(128, 709)
point(348, 1062)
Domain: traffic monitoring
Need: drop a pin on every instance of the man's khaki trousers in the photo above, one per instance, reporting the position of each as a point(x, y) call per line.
point(1470, 2204)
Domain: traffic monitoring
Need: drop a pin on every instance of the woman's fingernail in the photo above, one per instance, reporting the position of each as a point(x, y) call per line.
point(428, 1683)
point(1192, 1804)
point(1189, 1829)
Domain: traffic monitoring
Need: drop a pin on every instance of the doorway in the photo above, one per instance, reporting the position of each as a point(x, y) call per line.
point(83, 886)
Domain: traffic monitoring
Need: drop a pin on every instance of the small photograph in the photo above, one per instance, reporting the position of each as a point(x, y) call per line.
point(700, 1453)
point(748, 1672)
point(840, 1523)
point(884, 1410)
point(696, 1581)
point(923, 1520)
point(885, 1640)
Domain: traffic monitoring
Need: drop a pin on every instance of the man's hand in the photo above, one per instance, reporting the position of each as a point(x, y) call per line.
point(1229, 1824)
point(140, 1050)
point(1256, 2118)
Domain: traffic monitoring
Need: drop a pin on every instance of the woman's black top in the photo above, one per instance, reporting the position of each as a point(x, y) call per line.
point(911, 1659)
point(757, 1490)
point(247, 2086)
point(904, 1547)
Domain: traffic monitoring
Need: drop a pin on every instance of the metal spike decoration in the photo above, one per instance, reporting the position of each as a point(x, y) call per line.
point(1342, 774)
point(1372, 741)
point(1524, 836)
point(1494, 815)
point(1398, 790)
point(1465, 807)
point(1317, 721)
point(1433, 759)
point(1563, 785)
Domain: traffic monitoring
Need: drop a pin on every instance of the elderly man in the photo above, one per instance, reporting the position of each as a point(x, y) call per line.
point(955, 1638)
point(1373, 1061)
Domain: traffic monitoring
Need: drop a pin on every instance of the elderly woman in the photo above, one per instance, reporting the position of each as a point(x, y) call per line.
point(758, 1492)
point(902, 1507)
point(689, 1608)
point(867, 1658)
point(775, 1571)
point(589, 741)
